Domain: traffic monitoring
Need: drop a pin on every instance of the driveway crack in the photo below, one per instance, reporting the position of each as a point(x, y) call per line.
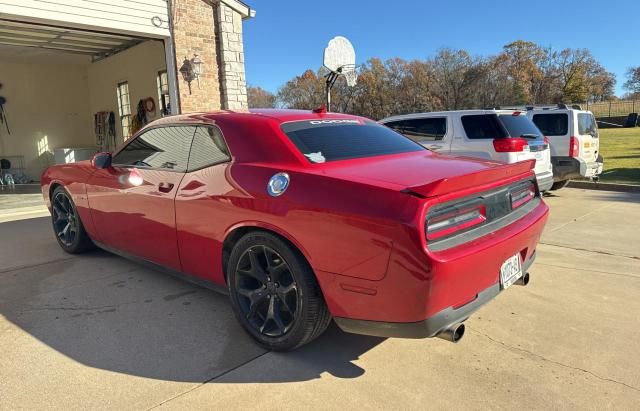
point(512, 348)
point(633, 257)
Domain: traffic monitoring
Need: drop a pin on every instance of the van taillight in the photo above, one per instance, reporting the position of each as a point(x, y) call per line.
point(574, 147)
point(522, 194)
point(546, 140)
point(510, 145)
point(454, 219)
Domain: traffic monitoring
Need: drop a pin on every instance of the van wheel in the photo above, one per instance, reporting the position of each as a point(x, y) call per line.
point(67, 225)
point(558, 185)
point(274, 293)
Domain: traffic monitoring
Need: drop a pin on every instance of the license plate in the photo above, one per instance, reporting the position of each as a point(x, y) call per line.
point(510, 271)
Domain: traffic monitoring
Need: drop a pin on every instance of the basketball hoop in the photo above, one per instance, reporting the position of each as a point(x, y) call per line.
point(340, 58)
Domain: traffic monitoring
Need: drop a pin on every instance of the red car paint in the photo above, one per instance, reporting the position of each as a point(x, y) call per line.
point(359, 223)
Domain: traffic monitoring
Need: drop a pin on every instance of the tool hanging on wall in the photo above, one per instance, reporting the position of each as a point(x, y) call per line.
point(105, 129)
point(3, 113)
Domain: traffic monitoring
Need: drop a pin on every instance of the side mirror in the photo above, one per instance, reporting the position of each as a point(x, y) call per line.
point(101, 160)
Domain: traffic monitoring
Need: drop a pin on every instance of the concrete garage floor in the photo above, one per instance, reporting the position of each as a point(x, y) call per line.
point(98, 331)
point(21, 201)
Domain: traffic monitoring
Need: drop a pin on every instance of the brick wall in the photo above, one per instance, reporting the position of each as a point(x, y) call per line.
point(195, 32)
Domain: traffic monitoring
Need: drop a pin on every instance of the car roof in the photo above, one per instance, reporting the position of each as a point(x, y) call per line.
point(277, 115)
point(451, 112)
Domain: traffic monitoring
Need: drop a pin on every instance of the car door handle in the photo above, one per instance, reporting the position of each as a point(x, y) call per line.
point(165, 187)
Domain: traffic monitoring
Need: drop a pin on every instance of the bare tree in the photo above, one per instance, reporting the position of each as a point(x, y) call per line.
point(260, 98)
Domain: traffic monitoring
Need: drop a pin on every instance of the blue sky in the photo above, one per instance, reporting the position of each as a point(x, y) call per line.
point(287, 37)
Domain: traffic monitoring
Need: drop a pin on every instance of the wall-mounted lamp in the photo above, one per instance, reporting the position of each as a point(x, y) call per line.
point(192, 69)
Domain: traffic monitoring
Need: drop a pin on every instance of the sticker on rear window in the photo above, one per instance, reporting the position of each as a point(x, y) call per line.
point(334, 122)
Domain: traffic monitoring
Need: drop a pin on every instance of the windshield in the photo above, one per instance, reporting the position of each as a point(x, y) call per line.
point(520, 126)
point(587, 124)
point(330, 140)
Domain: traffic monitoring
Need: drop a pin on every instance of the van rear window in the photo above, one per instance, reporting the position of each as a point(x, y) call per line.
point(520, 126)
point(342, 139)
point(552, 124)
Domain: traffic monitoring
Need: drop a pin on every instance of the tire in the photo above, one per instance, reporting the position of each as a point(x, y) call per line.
point(558, 185)
point(67, 226)
point(274, 292)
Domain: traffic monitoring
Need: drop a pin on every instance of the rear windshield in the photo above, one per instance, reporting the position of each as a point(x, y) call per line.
point(481, 126)
point(552, 124)
point(587, 124)
point(520, 126)
point(330, 140)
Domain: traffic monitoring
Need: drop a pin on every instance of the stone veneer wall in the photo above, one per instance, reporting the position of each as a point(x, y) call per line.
point(231, 58)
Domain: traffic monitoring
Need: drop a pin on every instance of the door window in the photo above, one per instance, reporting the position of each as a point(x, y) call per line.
point(481, 126)
point(162, 148)
point(208, 148)
point(552, 124)
point(421, 129)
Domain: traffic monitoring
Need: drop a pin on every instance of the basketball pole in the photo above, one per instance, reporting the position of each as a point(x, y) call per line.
point(331, 80)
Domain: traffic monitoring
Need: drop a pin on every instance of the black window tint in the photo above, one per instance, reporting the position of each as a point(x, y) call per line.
point(421, 129)
point(520, 126)
point(329, 140)
point(587, 124)
point(165, 147)
point(208, 148)
point(552, 124)
point(483, 126)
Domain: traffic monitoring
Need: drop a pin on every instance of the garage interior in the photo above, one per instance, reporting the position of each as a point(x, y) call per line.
point(59, 86)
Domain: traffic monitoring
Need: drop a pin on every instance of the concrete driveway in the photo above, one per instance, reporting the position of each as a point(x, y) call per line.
point(97, 331)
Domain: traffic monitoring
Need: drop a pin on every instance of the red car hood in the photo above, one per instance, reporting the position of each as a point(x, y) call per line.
point(427, 174)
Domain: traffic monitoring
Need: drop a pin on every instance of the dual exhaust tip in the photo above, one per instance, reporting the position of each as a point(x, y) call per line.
point(455, 332)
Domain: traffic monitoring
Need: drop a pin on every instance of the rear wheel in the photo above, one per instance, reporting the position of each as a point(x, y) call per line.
point(67, 226)
point(274, 293)
point(558, 185)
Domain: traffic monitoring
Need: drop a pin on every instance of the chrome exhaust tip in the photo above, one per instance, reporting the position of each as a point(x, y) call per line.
point(452, 334)
point(524, 280)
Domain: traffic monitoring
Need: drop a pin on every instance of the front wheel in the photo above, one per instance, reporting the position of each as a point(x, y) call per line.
point(67, 225)
point(558, 185)
point(274, 293)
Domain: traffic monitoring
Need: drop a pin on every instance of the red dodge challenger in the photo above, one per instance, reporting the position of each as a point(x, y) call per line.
point(303, 217)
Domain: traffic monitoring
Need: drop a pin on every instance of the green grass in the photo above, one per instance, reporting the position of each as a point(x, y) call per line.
point(620, 148)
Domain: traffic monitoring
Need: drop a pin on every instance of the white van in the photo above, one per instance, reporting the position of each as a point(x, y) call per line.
point(502, 135)
point(575, 146)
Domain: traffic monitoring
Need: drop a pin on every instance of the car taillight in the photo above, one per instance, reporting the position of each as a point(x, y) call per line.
point(509, 145)
point(454, 219)
point(574, 147)
point(546, 140)
point(522, 194)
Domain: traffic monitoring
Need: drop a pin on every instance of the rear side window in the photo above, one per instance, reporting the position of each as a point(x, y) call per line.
point(483, 126)
point(520, 126)
point(208, 148)
point(330, 140)
point(587, 124)
point(552, 124)
point(163, 148)
point(421, 129)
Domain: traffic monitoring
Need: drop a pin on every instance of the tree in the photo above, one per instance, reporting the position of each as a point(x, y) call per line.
point(303, 92)
point(260, 98)
point(453, 78)
point(633, 80)
point(523, 59)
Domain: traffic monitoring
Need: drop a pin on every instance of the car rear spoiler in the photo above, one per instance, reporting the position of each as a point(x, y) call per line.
point(450, 184)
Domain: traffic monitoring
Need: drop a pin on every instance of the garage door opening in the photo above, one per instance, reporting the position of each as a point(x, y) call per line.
point(67, 93)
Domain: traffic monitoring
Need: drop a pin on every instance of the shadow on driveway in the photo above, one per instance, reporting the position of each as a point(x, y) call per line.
point(113, 314)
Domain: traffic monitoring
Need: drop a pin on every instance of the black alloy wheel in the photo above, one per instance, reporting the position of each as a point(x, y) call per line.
point(267, 290)
point(274, 292)
point(67, 225)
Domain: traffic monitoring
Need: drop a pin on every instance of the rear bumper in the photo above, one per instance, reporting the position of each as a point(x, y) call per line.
point(565, 168)
point(427, 289)
point(429, 327)
point(545, 180)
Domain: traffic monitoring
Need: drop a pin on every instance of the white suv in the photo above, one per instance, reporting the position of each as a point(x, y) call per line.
point(575, 146)
point(503, 135)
